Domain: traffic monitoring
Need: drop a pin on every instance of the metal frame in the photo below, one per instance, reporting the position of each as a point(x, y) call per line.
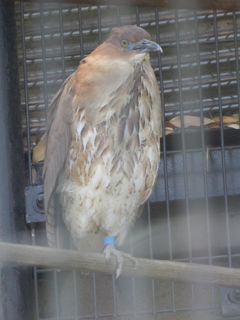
point(16, 298)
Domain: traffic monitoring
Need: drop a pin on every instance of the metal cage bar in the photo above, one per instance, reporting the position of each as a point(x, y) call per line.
point(222, 143)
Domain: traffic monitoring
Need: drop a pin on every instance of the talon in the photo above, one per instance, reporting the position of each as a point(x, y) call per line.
point(110, 250)
point(136, 264)
point(107, 256)
point(118, 272)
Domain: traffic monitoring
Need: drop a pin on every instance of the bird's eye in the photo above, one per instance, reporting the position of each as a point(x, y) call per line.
point(124, 43)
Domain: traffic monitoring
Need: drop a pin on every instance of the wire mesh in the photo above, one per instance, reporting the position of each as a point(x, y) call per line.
point(193, 212)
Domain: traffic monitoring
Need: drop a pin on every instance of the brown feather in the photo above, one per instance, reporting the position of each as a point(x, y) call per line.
point(121, 129)
point(58, 137)
point(39, 150)
point(102, 141)
point(130, 126)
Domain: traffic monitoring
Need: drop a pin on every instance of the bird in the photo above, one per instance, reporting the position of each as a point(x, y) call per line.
point(102, 144)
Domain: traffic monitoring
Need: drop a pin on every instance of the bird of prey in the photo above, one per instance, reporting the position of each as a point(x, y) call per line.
point(102, 143)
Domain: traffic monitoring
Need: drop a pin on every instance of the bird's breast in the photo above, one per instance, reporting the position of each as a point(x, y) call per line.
point(114, 153)
point(121, 101)
point(126, 120)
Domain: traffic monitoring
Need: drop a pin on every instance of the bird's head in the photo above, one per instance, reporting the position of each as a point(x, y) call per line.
point(131, 41)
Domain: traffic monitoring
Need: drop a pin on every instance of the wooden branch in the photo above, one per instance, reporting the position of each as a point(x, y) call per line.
point(228, 5)
point(93, 262)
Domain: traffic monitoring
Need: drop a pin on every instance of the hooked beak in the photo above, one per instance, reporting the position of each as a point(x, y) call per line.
point(146, 46)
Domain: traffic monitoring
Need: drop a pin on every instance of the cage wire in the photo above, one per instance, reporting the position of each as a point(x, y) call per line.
point(193, 213)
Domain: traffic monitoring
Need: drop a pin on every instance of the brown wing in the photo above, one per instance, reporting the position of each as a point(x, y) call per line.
point(58, 138)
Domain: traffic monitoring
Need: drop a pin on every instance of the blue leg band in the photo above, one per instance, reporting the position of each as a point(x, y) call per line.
point(108, 240)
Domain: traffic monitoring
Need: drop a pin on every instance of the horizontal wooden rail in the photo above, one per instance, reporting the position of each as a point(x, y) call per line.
point(93, 262)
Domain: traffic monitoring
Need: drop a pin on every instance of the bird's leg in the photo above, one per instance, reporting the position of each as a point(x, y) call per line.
point(110, 250)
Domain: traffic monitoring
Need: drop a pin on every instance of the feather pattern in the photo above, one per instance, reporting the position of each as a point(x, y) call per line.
point(103, 150)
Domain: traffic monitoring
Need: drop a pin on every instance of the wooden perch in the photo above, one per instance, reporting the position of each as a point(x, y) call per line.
point(93, 262)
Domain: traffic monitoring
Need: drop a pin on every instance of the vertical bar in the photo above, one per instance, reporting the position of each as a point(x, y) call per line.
point(173, 298)
point(99, 24)
point(44, 59)
point(203, 141)
point(166, 188)
point(204, 153)
point(236, 57)
point(193, 298)
point(114, 296)
point(75, 295)
point(95, 296)
point(222, 141)
point(62, 41)
point(149, 229)
point(80, 31)
point(137, 17)
point(183, 141)
point(118, 17)
point(151, 254)
point(133, 279)
point(235, 32)
point(26, 93)
point(134, 297)
point(213, 298)
point(81, 57)
point(33, 236)
point(56, 294)
point(94, 276)
point(182, 134)
point(164, 142)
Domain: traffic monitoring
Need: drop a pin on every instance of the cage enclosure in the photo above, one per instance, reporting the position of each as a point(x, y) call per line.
point(193, 213)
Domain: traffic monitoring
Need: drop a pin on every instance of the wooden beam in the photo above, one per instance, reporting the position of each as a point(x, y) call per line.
point(93, 262)
point(228, 5)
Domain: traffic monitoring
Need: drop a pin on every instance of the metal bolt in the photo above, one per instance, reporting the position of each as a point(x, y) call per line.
point(40, 201)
